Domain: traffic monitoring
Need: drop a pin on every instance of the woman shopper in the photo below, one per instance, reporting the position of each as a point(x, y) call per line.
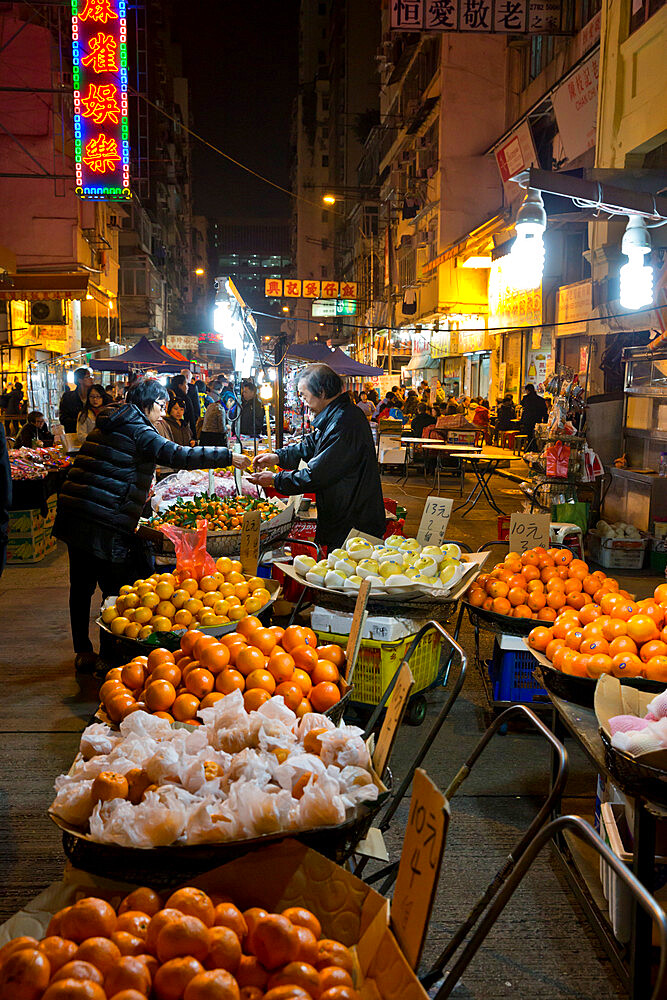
point(173, 426)
point(85, 422)
point(104, 494)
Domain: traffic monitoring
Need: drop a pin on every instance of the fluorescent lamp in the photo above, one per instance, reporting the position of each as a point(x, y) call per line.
point(527, 255)
point(266, 392)
point(636, 276)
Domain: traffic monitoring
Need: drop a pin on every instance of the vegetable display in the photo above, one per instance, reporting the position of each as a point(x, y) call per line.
point(222, 513)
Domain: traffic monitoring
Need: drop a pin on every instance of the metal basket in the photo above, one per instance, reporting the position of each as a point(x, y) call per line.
point(581, 690)
point(632, 777)
point(221, 543)
point(174, 865)
point(490, 621)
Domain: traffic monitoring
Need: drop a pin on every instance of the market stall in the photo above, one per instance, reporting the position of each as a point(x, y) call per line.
point(37, 474)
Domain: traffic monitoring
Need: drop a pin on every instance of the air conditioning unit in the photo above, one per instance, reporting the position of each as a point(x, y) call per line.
point(406, 240)
point(47, 312)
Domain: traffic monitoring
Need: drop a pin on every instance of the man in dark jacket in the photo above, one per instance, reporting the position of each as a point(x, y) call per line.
point(103, 496)
point(534, 410)
point(342, 466)
point(73, 400)
point(252, 412)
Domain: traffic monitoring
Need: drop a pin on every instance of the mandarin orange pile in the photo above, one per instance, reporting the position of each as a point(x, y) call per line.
point(539, 584)
point(260, 662)
point(167, 601)
point(614, 635)
point(189, 947)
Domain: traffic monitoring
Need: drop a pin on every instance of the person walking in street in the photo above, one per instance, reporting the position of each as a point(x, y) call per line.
point(173, 426)
point(34, 433)
point(74, 400)
point(104, 493)
point(341, 462)
point(85, 422)
point(252, 421)
point(180, 391)
point(534, 411)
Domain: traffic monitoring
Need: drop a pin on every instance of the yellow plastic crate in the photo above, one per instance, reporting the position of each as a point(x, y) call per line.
point(378, 662)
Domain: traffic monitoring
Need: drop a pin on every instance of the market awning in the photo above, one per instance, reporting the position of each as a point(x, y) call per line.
point(421, 361)
point(34, 287)
point(144, 354)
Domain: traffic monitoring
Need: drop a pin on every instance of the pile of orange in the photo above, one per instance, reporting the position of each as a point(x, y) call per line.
point(190, 947)
point(614, 635)
point(260, 662)
point(539, 584)
point(167, 601)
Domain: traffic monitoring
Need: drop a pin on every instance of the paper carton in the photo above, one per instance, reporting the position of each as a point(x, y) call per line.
point(613, 698)
point(275, 877)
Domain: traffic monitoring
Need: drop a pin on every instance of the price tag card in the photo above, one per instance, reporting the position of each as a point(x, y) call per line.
point(392, 719)
point(356, 629)
point(435, 518)
point(419, 867)
point(250, 542)
point(238, 475)
point(529, 530)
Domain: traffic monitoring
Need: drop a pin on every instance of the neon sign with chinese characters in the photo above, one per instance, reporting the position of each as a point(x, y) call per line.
point(101, 124)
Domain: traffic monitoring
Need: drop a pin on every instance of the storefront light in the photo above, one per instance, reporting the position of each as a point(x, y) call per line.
point(477, 262)
point(636, 276)
point(527, 255)
point(225, 322)
point(266, 392)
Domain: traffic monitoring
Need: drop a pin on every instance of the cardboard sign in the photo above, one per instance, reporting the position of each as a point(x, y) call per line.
point(356, 629)
point(435, 519)
point(392, 720)
point(419, 868)
point(529, 530)
point(250, 541)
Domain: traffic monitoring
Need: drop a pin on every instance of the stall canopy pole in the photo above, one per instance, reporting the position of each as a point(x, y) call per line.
point(279, 358)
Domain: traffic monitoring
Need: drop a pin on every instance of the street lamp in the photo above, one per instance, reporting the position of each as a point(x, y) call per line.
point(199, 271)
point(528, 248)
point(285, 309)
point(329, 199)
point(636, 276)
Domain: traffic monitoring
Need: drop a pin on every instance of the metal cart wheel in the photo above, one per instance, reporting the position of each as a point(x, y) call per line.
point(415, 712)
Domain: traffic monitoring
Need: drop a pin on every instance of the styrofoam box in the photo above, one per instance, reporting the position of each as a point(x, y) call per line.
point(378, 628)
point(514, 642)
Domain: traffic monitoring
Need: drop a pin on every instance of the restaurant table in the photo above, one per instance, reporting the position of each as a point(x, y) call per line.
point(484, 464)
point(582, 868)
point(433, 444)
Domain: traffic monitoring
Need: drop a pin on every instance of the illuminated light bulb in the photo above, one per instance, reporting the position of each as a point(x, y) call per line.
point(636, 276)
point(527, 254)
point(266, 391)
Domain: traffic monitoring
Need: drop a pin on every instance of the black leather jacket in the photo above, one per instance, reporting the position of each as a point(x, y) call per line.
point(342, 471)
point(102, 498)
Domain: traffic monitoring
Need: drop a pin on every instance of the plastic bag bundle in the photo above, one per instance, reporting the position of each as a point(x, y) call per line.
point(344, 746)
point(321, 803)
point(74, 802)
point(98, 738)
point(156, 822)
point(260, 811)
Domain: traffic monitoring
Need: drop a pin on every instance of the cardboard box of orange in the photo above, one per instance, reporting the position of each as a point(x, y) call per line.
point(275, 877)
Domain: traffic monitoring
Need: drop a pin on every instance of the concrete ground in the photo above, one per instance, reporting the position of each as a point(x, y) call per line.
point(540, 948)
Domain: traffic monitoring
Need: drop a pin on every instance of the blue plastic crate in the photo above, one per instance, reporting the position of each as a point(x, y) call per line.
point(512, 678)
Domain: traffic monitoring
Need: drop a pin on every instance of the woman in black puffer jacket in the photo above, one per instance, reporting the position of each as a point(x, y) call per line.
point(103, 496)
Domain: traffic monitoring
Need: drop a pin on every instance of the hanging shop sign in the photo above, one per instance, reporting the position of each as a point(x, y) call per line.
point(574, 304)
point(180, 343)
point(513, 17)
point(210, 337)
point(575, 105)
point(334, 307)
point(517, 153)
point(510, 306)
point(99, 77)
point(298, 288)
point(473, 340)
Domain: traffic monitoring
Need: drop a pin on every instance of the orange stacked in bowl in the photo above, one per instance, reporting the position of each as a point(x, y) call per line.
point(260, 662)
point(615, 635)
point(538, 584)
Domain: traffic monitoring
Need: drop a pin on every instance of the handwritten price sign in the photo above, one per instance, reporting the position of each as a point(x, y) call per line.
point(435, 518)
point(419, 868)
point(529, 530)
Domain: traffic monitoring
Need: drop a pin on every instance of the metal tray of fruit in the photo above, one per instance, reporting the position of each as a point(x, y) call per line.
point(503, 624)
point(580, 690)
point(633, 777)
point(225, 543)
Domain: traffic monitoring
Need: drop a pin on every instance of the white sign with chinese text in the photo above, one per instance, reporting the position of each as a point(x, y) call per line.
point(575, 105)
point(517, 153)
point(435, 519)
point(574, 306)
point(514, 17)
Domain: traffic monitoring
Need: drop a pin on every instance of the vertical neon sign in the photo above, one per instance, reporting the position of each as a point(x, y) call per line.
point(101, 125)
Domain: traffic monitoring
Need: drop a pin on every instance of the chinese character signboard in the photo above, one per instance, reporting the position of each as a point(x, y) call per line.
point(574, 306)
point(575, 106)
point(509, 306)
point(509, 17)
point(308, 288)
point(101, 126)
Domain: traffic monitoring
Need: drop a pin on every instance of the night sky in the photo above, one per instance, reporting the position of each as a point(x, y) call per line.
point(241, 61)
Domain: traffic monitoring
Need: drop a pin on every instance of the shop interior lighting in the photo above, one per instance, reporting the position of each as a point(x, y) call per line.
point(636, 276)
point(477, 261)
point(527, 255)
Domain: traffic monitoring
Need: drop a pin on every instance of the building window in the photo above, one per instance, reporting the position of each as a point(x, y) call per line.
point(641, 10)
point(589, 9)
point(325, 216)
point(325, 161)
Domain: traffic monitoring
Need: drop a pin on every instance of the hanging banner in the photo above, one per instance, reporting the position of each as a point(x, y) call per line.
point(574, 306)
point(99, 77)
point(513, 17)
point(575, 105)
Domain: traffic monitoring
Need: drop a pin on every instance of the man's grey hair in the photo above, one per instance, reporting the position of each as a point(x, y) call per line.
point(322, 381)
